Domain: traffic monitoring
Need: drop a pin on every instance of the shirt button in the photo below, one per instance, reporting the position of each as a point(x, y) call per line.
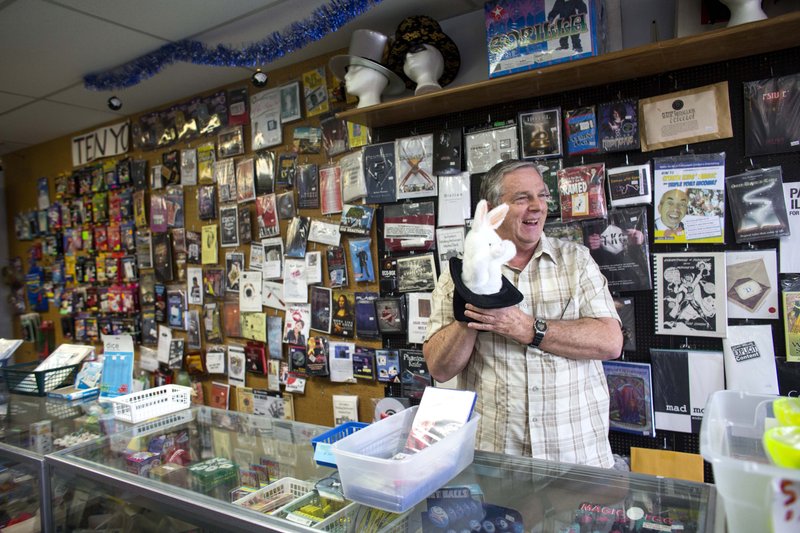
point(534, 419)
point(534, 388)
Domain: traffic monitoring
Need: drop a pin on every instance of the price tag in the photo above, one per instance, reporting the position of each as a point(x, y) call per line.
point(785, 505)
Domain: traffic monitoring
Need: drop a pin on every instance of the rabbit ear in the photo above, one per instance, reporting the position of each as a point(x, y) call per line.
point(497, 215)
point(480, 214)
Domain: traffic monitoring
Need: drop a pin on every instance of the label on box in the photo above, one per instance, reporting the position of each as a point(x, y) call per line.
point(785, 505)
point(324, 453)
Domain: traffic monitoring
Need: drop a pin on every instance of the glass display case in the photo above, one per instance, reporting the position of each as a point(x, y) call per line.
point(229, 471)
point(30, 428)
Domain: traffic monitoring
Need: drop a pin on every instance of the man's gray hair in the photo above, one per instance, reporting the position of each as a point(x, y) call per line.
point(492, 182)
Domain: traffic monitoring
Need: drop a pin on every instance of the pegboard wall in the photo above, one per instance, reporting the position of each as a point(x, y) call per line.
point(735, 72)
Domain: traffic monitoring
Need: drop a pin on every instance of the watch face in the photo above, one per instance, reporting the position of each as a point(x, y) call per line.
point(540, 325)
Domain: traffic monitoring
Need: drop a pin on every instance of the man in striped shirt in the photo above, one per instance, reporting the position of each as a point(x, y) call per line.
point(537, 366)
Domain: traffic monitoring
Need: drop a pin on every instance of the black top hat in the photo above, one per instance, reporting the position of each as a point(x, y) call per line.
point(421, 29)
point(507, 296)
point(366, 50)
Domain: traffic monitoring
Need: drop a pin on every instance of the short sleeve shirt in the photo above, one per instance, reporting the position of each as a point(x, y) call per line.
point(532, 402)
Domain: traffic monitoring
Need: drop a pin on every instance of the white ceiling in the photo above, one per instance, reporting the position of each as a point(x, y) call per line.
point(48, 46)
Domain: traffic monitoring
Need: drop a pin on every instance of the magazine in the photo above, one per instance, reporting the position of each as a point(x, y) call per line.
point(440, 413)
point(580, 126)
point(757, 206)
point(630, 389)
point(581, 192)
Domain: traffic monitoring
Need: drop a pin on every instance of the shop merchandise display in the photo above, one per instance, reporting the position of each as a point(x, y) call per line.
point(382, 256)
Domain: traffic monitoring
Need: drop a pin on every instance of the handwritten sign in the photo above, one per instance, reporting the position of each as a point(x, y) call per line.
point(785, 505)
point(103, 142)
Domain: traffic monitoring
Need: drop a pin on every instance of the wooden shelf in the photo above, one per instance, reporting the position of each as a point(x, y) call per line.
point(728, 43)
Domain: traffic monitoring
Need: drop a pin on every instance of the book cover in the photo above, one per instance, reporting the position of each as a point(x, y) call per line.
point(297, 237)
point(194, 288)
point(317, 356)
point(265, 119)
point(619, 246)
point(334, 135)
point(345, 409)
point(176, 307)
point(752, 284)
point(419, 313)
point(409, 226)
point(177, 348)
point(630, 389)
point(158, 213)
point(236, 365)
point(267, 216)
point(273, 258)
point(791, 323)
point(324, 232)
point(356, 219)
point(416, 273)
point(295, 284)
point(162, 257)
point(366, 318)
point(689, 191)
point(337, 266)
point(343, 318)
point(690, 297)
point(275, 336)
point(619, 126)
point(454, 199)
point(298, 322)
point(683, 380)
point(139, 174)
point(256, 358)
point(212, 322)
point(790, 246)
point(414, 159)
point(193, 247)
point(225, 175)
point(209, 252)
point(484, 149)
point(264, 172)
point(750, 359)
point(414, 376)
point(441, 412)
point(354, 186)
point(245, 180)
point(361, 259)
point(315, 92)
point(540, 133)
point(391, 311)
point(307, 140)
point(234, 265)
point(330, 184)
point(298, 359)
point(206, 157)
point(626, 309)
point(364, 363)
point(629, 185)
point(175, 207)
point(245, 225)
point(358, 135)
point(320, 298)
point(214, 282)
point(219, 395)
point(449, 244)
point(287, 169)
point(580, 126)
point(581, 192)
point(770, 106)
point(447, 152)
point(387, 364)
point(229, 226)
point(757, 207)
point(308, 186)
point(379, 170)
point(286, 205)
point(250, 291)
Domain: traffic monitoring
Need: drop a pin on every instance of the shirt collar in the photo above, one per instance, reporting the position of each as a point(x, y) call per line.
point(545, 247)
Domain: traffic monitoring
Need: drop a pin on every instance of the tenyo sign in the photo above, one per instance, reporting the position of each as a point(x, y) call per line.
point(104, 142)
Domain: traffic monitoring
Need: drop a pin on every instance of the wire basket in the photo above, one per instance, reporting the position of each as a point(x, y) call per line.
point(24, 379)
point(151, 403)
point(339, 521)
point(274, 495)
point(324, 456)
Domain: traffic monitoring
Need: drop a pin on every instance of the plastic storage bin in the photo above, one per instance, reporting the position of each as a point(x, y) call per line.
point(151, 403)
point(370, 476)
point(730, 439)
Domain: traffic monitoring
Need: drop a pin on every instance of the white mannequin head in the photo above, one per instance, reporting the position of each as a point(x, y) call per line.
point(365, 83)
point(424, 67)
point(743, 11)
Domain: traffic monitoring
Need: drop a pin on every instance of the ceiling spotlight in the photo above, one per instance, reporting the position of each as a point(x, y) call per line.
point(259, 78)
point(114, 103)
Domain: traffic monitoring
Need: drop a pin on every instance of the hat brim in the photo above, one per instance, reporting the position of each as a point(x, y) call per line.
point(442, 42)
point(338, 65)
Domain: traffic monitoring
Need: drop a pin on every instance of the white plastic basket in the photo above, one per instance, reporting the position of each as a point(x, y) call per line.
point(338, 522)
point(265, 500)
point(151, 403)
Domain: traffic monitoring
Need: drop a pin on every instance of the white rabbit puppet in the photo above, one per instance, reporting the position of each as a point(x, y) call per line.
point(485, 252)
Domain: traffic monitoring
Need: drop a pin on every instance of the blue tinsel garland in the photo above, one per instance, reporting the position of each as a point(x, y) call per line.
point(324, 20)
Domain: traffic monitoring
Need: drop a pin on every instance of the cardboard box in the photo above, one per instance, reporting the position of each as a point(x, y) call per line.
point(530, 34)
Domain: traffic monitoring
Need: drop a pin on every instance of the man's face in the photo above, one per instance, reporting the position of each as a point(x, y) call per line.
point(673, 207)
point(526, 195)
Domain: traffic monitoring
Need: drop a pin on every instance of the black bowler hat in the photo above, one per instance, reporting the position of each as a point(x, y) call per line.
point(417, 30)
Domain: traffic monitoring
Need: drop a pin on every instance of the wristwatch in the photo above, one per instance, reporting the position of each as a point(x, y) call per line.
point(539, 329)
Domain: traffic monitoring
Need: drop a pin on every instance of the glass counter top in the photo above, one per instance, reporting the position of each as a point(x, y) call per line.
point(237, 468)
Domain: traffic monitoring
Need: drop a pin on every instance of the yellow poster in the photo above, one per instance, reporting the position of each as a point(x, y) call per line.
point(210, 247)
point(254, 326)
point(315, 89)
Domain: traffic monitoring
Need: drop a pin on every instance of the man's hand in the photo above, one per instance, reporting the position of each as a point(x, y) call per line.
point(510, 322)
